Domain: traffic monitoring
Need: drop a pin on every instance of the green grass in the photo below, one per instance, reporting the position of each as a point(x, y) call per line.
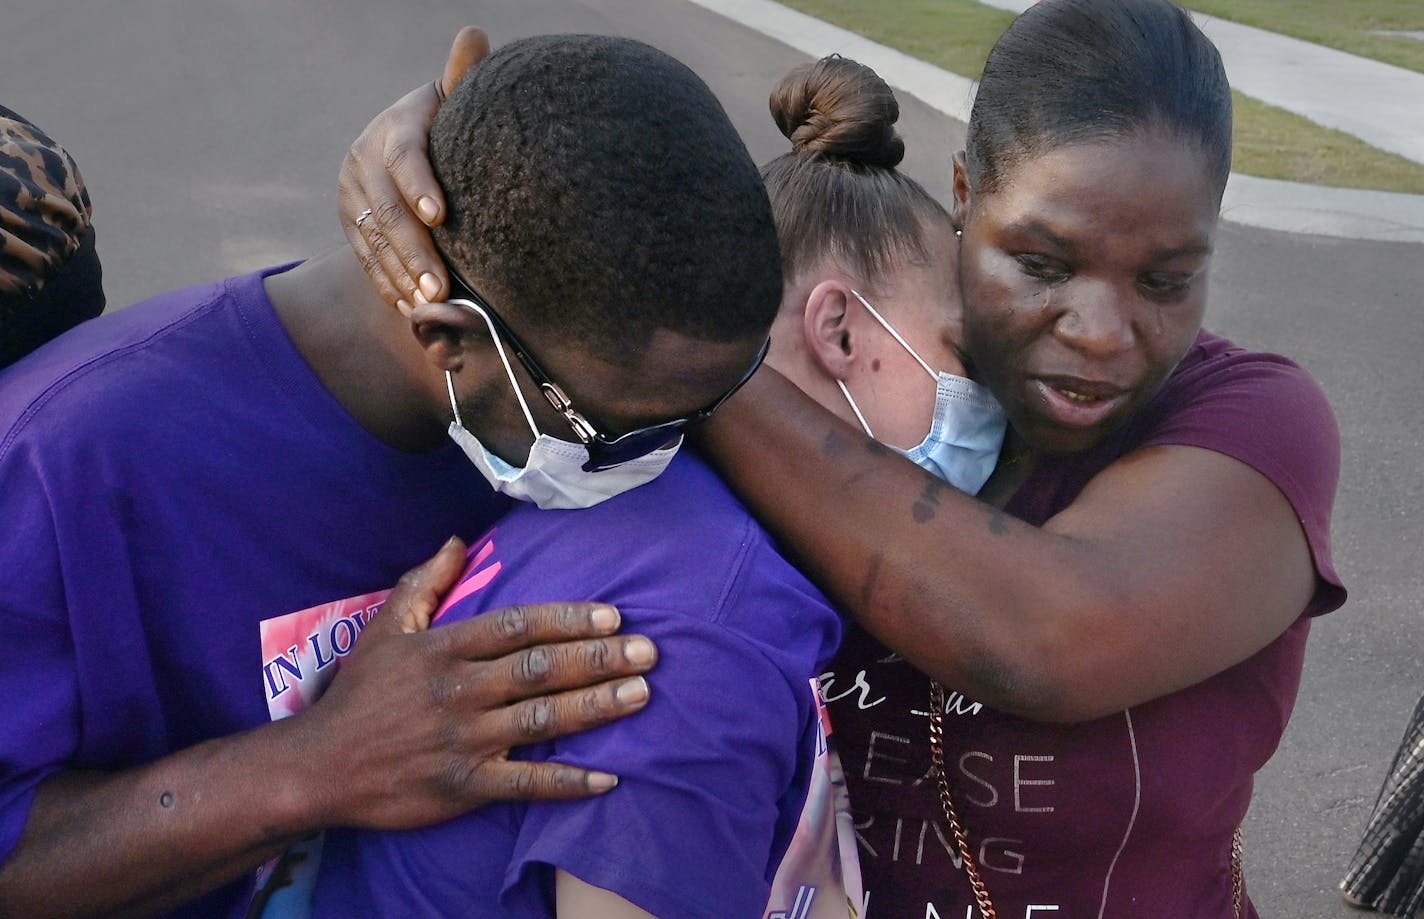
point(1349, 25)
point(1270, 142)
point(1277, 144)
point(953, 34)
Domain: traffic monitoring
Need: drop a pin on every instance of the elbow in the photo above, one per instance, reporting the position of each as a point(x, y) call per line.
point(1072, 668)
point(1034, 691)
point(1049, 697)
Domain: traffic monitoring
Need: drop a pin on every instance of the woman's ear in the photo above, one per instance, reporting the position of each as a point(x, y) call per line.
point(963, 194)
point(446, 331)
point(826, 327)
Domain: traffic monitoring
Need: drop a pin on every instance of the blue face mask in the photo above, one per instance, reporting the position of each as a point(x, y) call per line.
point(962, 446)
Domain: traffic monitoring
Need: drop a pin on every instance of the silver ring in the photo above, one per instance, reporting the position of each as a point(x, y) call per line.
point(361, 217)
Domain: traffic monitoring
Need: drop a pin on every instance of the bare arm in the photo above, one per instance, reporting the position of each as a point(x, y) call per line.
point(578, 898)
point(415, 729)
point(1172, 565)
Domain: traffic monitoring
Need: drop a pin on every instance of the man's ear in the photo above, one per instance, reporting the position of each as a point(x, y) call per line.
point(963, 194)
point(446, 332)
point(827, 328)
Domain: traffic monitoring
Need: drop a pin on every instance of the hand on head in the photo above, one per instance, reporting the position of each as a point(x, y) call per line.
point(386, 177)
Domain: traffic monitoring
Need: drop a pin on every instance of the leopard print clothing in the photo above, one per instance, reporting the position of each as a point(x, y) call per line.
point(44, 206)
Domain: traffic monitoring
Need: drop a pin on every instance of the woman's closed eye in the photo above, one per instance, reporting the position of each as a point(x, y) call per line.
point(1043, 267)
point(1165, 286)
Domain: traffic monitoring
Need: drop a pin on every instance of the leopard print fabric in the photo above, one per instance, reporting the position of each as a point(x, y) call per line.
point(44, 206)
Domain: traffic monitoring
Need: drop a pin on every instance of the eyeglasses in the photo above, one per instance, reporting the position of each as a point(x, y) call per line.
point(603, 452)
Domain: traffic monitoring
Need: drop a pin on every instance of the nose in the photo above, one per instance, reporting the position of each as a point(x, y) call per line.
point(1094, 319)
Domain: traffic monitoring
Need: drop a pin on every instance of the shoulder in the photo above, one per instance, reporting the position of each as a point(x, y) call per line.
point(686, 521)
point(1260, 408)
point(1220, 377)
point(108, 369)
point(1263, 410)
point(1217, 365)
point(679, 555)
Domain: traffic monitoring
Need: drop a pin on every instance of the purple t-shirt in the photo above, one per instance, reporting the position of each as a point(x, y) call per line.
point(713, 772)
point(171, 475)
point(1130, 815)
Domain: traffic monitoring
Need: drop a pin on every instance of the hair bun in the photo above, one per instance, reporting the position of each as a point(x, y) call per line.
point(839, 108)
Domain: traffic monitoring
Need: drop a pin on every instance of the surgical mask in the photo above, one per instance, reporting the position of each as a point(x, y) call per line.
point(553, 476)
point(966, 433)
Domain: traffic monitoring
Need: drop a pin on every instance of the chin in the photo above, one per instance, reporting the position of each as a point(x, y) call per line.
point(1054, 440)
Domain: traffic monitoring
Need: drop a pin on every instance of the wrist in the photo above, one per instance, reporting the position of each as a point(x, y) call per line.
point(304, 791)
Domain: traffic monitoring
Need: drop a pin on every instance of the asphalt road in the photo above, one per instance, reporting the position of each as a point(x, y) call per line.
point(210, 134)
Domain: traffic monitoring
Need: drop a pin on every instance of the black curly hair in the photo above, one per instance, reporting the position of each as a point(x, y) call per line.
point(597, 191)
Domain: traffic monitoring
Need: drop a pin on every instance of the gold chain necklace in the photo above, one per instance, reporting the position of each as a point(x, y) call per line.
point(961, 837)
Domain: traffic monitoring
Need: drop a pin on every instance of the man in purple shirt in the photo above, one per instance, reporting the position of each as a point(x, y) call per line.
point(178, 473)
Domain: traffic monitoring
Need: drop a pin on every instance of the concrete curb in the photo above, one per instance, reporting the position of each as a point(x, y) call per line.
point(1267, 203)
point(1344, 213)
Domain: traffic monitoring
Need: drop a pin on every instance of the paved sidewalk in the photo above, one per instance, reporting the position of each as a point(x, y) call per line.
point(1268, 203)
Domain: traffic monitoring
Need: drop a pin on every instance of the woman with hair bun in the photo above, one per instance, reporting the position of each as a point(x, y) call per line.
point(1058, 707)
point(870, 306)
point(1058, 696)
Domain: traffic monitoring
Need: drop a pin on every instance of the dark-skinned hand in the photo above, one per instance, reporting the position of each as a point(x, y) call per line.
point(387, 172)
point(419, 722)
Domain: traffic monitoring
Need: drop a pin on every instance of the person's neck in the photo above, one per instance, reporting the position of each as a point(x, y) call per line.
point(1017, 461)
point(362, 350)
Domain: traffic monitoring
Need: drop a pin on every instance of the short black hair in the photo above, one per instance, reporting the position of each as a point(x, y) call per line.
point(1077, 71)
point(598, 191)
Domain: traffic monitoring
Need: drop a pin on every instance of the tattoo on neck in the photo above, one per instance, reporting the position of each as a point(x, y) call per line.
point(835, 445)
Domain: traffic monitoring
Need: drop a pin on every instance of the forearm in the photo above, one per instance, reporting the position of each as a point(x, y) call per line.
point(415, 729)
point(150, 838)
point(891, 545)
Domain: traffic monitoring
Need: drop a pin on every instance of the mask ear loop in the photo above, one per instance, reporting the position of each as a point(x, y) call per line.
point(508, 371)
point(855, 408)
point(894, 334)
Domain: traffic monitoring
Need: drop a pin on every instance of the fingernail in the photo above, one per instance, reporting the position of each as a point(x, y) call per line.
point(602, 781)
point(604, 618)
point(639, 651)
point(419, 297)
point(428, 208)
point(633, 691)
point(404, 306)
point(429, 284)
point(450, 543)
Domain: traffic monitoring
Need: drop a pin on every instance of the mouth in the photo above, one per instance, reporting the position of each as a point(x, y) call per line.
point(1076, 403)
